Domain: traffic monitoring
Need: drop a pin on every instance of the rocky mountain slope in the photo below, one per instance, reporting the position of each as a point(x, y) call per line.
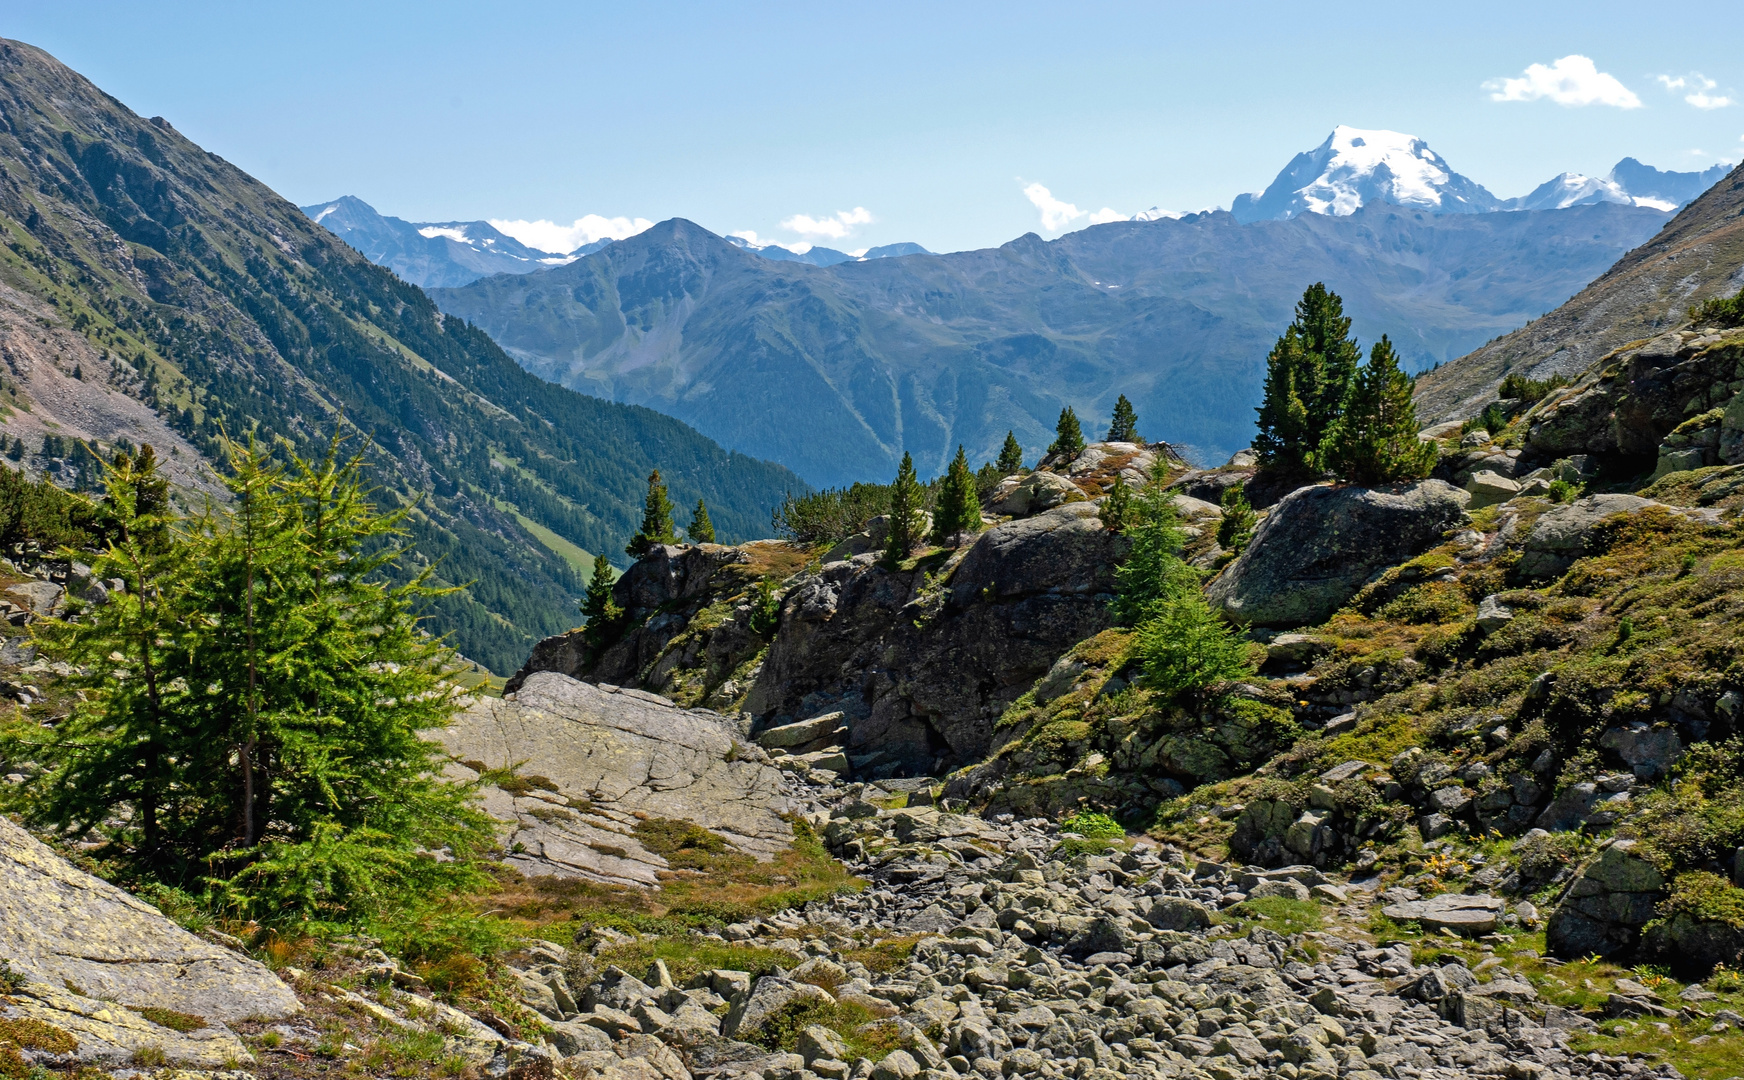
point(1699, 254)
point(151, 292)
point(922, 353)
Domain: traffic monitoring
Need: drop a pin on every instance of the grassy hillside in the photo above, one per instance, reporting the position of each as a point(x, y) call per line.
point(140, 268)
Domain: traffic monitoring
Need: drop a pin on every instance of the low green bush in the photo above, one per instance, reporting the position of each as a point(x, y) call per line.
point(1092, 826)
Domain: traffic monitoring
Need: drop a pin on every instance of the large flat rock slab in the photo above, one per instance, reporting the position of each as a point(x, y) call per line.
point(612, 757)
point(62, 927)
point(1461, 914)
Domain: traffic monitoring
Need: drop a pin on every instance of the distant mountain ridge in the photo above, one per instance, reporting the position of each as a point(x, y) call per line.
point(1356, 167)
point(154, 292)
point(836, 371)
point(446, 254)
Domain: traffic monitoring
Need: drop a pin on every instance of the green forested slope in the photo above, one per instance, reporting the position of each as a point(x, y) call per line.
point(196, 288)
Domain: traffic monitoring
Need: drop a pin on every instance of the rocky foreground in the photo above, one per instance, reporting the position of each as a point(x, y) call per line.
point(1031, 961)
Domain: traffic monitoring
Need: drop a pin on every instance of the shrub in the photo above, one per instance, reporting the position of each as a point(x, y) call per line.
point(765, 608)
point(1562, 491)
point(1527, 391)
point(1704, 897)
point(1092, 826)
point(831, 514)
point(1720, 312)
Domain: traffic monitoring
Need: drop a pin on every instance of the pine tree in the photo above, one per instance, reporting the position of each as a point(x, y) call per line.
point(1010, 456)
point(598, 611)
point(906, 499)
point(958, 509)
point(1333, 355)
point(1375, 441)
point(657, 526)
point(1284, 441)
point(1125, 425)
point(702, 530)
point(1308, 372)
point(1068, 436)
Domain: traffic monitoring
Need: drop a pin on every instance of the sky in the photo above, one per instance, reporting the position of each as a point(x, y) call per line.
point(953, 125)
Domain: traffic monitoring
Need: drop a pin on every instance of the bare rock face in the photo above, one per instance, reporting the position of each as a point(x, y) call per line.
point(91, 955)
point(593, 761)
point(922, 662)
point(1320, 544)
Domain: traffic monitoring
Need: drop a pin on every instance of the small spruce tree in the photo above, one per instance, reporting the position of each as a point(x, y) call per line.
point(702, 530)
point(1374, 440)
point(958, 509)
point(1237, 526)
point(657, 527)
point(1068, 436)
point(1284, 441)
point(1010, 456)
point(906, 499)
point(1117, 506)
point(1125, 425)
point(598, 610)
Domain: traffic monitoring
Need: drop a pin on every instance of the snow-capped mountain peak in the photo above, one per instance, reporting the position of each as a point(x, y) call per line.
point(1357, 166)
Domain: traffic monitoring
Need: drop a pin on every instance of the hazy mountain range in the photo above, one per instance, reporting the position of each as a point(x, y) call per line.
point(836, 366)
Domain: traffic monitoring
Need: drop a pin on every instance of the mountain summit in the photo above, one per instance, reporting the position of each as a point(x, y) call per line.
point(1355, 167)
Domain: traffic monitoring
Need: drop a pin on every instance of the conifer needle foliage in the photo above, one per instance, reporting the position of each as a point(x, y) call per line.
point(1307, 374)
point(1124, 428)
point(1068, 435)
point(1010, 456)
point(907, 502)
point(657, 525)
point(1374, 440)
point(252, 702)
point(957, 511)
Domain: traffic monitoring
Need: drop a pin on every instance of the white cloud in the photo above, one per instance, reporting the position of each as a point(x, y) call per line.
point(1055, 214)
point(1105, 215)
point(1698, 86)
point(830, 228)
point(750, 237)
point(1573, 80)
point(562, 239)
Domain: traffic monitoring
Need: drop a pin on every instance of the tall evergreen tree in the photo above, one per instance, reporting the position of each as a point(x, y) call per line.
point(657, 526)
point(256, 698)
point(1374, 440)
point(958, 508)
point(1333, 355)
point(1308, 372)
point(1285, 440)
point(1010, 456)
point(702, 530)
point(1125, 425)
point(1068, 435)
point(906, 500)
point(598, 610)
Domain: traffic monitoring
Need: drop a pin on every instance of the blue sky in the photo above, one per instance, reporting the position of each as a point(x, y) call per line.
point(860, 124)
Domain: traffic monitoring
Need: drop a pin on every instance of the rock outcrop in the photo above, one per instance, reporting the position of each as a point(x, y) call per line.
point(1320, 544)
point(592, 762)
point(91, 956)
point(1605, 907)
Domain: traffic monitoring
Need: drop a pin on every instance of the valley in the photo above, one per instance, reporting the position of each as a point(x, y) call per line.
point(372, 705)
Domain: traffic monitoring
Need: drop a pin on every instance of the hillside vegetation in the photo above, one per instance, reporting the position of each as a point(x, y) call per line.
point(159, 294)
